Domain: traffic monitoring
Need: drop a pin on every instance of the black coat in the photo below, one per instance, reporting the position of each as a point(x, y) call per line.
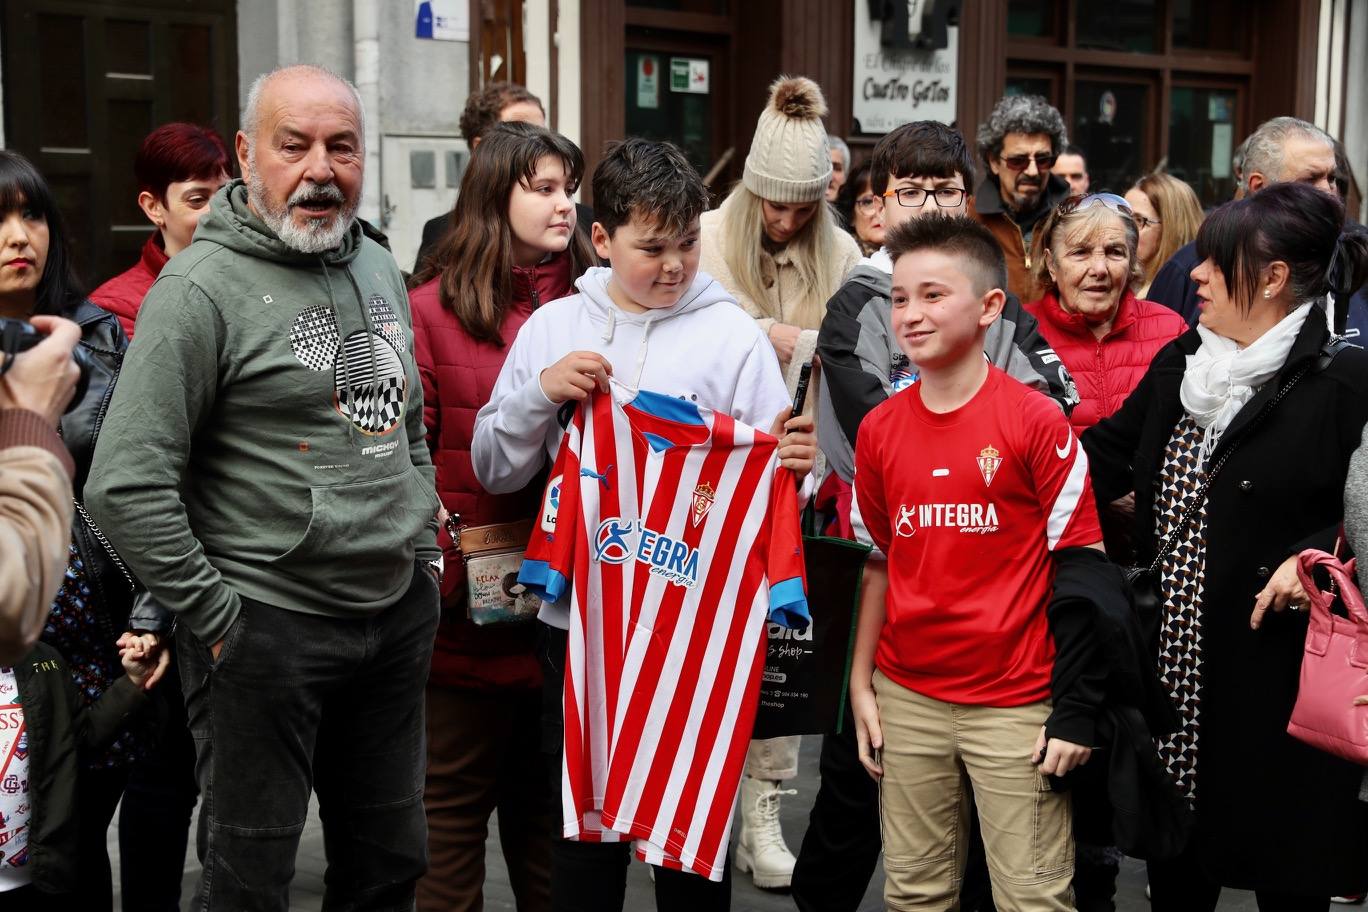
point(104, 343)
point(1272, 812)
point(60, 730)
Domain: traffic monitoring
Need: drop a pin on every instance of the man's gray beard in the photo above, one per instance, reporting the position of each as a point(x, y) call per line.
point(318, 235)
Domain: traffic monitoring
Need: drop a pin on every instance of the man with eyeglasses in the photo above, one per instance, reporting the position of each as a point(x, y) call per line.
point(1019, 142)
point(918, 169)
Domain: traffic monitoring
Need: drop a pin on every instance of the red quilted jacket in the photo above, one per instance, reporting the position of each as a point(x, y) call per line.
point(458, 376)
point(123, 294)
point(1106, 369)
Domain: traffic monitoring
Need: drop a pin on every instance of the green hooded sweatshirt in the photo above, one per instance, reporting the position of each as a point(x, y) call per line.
point(265, 437)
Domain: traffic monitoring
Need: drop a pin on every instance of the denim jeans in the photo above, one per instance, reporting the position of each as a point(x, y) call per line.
point(300, 702)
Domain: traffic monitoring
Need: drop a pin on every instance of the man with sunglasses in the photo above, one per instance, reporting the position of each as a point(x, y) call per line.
point(918, 169)
point(1019, 142)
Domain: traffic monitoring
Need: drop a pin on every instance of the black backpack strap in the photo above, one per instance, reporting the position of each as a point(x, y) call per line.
point(1333, 347)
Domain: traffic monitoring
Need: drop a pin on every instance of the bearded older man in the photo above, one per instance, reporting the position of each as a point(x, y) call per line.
point(263, 470)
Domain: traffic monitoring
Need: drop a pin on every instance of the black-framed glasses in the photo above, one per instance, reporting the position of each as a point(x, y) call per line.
point(1044, 161)
point(1146, 222)
point(867, 203)
point(915, 197)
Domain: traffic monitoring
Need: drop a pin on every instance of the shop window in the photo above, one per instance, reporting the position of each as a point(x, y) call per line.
point(660, 107)
point(1202, 139)
point(1031, 85)
point(1120, 25)
point(1110, 121)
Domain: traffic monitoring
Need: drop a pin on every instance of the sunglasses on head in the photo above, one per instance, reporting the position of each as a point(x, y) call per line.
point(1113, 202)
point(1044, 161)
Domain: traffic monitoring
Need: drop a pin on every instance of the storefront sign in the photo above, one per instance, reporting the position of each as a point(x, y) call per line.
point(894, 87)
point(442, 20)
point(648, 82)
point(689, 74)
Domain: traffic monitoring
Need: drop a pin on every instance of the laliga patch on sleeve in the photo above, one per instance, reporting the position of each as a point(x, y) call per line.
point(551, 504)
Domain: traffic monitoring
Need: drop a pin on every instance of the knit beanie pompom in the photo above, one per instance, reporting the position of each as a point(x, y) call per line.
point(788, 160)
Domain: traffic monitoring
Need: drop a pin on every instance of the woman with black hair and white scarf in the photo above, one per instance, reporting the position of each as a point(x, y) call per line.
point(1259, 395)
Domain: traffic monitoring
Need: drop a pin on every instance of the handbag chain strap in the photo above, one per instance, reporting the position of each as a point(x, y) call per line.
point(1171, 540)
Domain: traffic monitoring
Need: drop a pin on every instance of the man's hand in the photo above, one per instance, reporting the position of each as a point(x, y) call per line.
point(1056, 756)
point(797, 442)
point(868, 732)
point(43, 378)
point(144, 658)
point(575, 376)
point(784, 338)
point(1284, 590)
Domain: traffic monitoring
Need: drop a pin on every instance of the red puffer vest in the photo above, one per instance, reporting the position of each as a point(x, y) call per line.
point(123, 294)
point(1107, 369)
point(458, 376)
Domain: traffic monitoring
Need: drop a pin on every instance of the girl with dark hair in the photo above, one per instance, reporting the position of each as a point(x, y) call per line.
point(1236, 444)
point(95, 602)
point(512, 247)
point(179, 167)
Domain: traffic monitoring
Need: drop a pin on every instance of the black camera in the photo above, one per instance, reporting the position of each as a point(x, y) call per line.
point(17, 337)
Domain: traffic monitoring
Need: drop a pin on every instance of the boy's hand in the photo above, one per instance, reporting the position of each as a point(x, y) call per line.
point(575, 376)
point(1056, 756)
point(868, 732)
point(144, 658)
point(797, 442)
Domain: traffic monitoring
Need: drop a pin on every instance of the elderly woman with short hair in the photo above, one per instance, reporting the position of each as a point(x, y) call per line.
point(1086, 261)
point(1261, 404)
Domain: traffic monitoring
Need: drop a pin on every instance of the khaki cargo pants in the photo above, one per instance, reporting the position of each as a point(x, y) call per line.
point(933, 752)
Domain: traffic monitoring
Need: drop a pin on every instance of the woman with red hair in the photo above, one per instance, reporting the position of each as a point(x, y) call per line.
point(179, 167)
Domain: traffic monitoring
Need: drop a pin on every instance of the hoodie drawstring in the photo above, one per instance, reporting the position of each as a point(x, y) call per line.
point(641, 349)
point(612, 325)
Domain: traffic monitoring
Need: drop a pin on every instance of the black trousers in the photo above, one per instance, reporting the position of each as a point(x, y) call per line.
point(154, 817)
point(592, 876)
point(843, 840)
point(298, 703)
point(1180, 885)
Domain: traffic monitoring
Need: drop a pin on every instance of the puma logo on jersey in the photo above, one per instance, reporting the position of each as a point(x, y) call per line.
point(601, 476)
point(619, 540)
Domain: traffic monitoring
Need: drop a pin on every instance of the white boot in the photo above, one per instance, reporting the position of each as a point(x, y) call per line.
point(760, 848)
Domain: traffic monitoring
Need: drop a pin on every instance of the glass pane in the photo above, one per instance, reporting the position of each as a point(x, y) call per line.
point(1031, 18)
point(1110, 123)
point(718, 7)
point(663, 102)
point(1121, 25)
point(1201, 141)
point(1210, 25)
point(1031, 85)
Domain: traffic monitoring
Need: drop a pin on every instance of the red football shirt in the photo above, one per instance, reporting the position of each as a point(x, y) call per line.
point(967, 506)
point(676, 535)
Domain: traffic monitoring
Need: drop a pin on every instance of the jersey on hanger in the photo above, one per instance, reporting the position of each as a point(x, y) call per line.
point(676, 536)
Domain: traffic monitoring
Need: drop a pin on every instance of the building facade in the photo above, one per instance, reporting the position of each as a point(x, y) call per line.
point(1142, 84)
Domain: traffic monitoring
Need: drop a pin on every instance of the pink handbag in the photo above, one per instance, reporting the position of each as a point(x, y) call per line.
point(1335, 665)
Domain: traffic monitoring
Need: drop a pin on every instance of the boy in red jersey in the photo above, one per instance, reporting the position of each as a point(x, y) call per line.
point(968, 484)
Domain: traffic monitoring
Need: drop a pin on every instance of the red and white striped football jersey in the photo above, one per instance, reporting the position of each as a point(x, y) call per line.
point(676, 535)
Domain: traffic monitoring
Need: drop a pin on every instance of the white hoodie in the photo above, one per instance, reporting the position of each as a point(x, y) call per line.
point(704, 349)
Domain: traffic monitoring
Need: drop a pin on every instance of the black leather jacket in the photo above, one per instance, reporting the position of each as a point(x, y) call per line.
point(126, 604)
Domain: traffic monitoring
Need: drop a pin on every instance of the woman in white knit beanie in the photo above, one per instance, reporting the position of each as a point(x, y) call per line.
point(774, 243)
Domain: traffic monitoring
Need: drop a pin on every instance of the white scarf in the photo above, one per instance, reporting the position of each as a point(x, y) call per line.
point(1221, 377)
